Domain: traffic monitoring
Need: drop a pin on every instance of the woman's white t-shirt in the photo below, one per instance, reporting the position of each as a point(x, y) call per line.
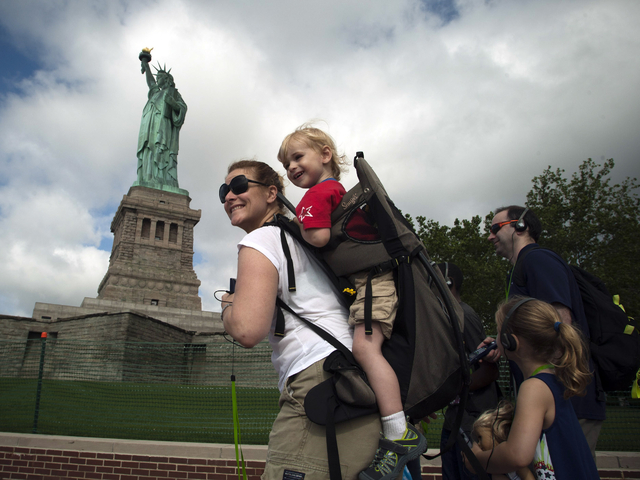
point(314, 299)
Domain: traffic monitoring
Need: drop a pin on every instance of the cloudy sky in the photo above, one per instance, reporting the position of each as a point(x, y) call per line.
point(457, 105)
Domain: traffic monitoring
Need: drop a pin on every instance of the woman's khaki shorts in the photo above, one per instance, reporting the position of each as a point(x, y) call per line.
point(297, 447)
point(384, 301)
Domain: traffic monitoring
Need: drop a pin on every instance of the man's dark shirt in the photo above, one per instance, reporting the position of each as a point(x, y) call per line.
point(548, 277)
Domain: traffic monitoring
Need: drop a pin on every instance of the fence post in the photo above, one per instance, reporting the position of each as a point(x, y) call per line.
point(40, 375)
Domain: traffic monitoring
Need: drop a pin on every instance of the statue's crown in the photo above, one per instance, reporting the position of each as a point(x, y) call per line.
point(160, 69)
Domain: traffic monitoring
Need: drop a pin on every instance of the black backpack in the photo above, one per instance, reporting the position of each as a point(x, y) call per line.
point(426, 346)
point(614, 338)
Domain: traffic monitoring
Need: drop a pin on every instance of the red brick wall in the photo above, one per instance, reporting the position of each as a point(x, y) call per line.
point(48, 464)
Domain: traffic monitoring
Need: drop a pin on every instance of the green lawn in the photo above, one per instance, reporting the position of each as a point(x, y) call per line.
point(196, 413)
point(190, 413)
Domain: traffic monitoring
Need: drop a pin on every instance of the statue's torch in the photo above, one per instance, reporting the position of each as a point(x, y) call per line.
point(145, 54)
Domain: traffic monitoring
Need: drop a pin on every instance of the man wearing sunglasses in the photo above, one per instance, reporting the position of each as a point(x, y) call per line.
point(543, 274)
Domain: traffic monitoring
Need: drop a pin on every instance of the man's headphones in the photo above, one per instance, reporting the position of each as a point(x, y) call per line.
point(507, 340)
point(521, 225)
point(446, 274)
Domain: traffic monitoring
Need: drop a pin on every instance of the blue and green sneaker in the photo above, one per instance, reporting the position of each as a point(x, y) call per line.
point(393, 455)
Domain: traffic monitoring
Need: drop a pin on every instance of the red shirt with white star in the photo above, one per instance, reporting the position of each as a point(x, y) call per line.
point(316, 206)
point(314, 210)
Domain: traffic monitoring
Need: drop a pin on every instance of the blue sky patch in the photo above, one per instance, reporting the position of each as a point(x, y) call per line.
point(14, 66)
point(446, 10)
point(106, 243)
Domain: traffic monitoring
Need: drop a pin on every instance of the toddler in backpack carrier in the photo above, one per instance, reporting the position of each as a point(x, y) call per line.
point(311, 161)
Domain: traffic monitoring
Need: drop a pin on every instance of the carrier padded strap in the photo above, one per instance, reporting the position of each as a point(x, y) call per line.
point(326, 336)
point(332, 442)
point(393, 263)
point(287, 254)
point(368, 304)
point(279, 330)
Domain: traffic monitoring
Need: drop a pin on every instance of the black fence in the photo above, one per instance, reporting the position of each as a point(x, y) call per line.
point(176, 392)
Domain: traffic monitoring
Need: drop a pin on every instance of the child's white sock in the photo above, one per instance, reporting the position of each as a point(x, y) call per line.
point(394, 426)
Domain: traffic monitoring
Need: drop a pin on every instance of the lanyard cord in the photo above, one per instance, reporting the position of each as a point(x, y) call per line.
point(507, 287)
point(540, 368)
point(236, 421)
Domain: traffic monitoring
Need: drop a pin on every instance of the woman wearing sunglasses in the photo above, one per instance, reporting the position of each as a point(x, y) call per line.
point(296, 445)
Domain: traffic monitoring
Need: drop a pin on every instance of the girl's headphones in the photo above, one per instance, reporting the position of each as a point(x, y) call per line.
point(507, 340)
point(521, 225)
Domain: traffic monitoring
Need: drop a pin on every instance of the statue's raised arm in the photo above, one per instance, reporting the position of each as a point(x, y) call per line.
point(145, 58)
point(162, 118)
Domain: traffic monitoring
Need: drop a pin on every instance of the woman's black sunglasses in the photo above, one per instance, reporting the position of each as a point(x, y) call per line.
point(237, 185)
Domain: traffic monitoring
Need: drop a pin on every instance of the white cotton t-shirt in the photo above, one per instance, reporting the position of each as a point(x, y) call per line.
point(315, 299)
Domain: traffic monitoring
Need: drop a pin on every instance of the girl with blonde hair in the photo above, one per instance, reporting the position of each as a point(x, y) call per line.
point(553, 358)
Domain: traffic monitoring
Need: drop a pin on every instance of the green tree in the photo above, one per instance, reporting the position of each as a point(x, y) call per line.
point(585, 219)
point(465, 244)
point(592, 224)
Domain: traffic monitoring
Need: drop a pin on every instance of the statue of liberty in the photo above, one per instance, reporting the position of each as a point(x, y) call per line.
point(162, 118)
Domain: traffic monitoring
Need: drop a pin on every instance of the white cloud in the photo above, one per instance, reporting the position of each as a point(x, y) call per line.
point(455, 117)
point(49, 249)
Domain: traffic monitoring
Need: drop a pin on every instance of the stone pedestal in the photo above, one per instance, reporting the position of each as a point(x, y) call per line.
point(152, 256)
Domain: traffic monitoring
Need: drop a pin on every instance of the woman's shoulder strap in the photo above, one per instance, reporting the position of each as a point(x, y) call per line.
point(286, 225)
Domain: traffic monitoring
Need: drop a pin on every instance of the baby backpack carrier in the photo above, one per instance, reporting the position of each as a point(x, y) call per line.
point(426, 346)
